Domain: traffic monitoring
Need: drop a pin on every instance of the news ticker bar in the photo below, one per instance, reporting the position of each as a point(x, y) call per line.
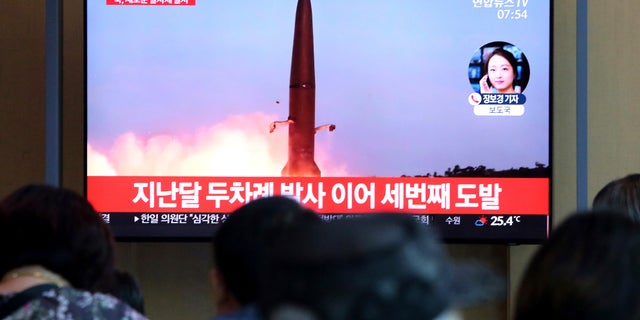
point(515, 228)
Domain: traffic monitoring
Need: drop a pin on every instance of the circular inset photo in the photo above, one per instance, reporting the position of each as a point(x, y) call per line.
point(499, 67)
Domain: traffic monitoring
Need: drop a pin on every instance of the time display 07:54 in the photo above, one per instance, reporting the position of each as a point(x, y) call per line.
point(516, 14)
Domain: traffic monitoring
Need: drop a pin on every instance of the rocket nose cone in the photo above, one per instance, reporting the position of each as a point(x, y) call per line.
point(302, 59)
point(303, 13)
point(304, 4)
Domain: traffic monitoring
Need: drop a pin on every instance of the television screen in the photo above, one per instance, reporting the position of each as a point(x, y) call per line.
point(436, 109)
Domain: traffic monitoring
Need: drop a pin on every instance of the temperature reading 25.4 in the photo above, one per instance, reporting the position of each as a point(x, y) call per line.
point(499, 221)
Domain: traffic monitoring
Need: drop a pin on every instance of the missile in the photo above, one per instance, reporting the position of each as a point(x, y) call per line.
point(302, 96)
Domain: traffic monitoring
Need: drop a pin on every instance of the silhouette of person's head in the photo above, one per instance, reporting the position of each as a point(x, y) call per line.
point(59, 230)
point(57, 257)
point(239, 245)
point(382, 266)
point(588, 269)
point(126, 288)
point(621, 195)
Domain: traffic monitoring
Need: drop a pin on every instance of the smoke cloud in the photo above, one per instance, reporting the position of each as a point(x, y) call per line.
point(241, 145)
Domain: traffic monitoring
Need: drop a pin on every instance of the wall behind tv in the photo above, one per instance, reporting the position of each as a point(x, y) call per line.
point(173, 275)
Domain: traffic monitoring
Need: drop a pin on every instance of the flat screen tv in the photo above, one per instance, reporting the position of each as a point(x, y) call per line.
point(435, 109)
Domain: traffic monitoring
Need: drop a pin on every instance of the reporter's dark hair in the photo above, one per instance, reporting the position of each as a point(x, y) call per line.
point(59, 230)
point(505, 54)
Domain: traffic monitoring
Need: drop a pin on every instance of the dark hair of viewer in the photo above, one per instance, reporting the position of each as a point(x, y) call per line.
point(239, 243)
point(589, 269)
point(58, 229)
point(379, 266)
point(621, 194)
point(126, 288)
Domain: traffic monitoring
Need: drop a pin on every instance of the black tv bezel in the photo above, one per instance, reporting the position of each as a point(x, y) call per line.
point(206, 236)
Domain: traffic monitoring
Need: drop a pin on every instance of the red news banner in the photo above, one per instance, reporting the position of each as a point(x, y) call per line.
point(325, 195)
